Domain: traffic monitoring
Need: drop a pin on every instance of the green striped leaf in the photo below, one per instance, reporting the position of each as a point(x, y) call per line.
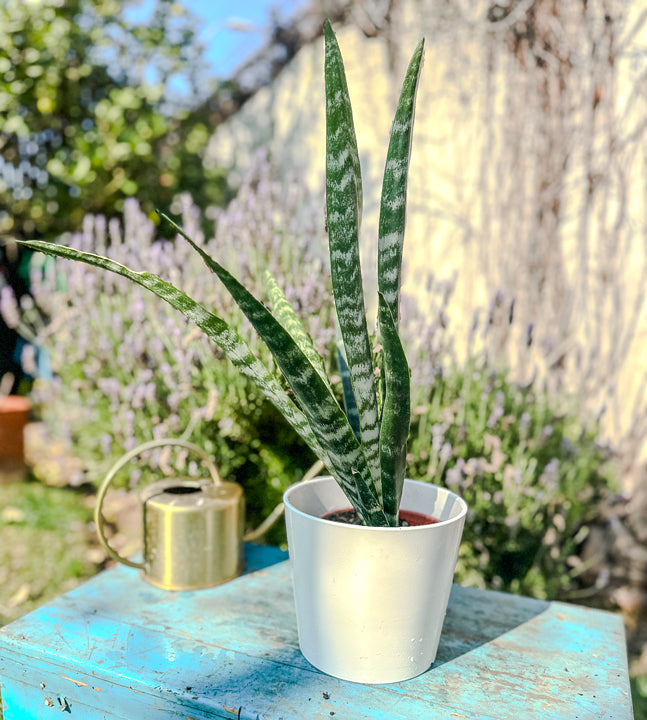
point(340, 128)
point(349, 398)
point(327, 420)
point(394, 188)
point(344, 205)
point(396, 409)
point(213, 326)
point(284, 313)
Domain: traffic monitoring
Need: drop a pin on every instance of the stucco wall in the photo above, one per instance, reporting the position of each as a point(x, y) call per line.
point(527, 179)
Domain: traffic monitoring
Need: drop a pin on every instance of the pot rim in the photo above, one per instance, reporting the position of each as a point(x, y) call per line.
point(363, 528)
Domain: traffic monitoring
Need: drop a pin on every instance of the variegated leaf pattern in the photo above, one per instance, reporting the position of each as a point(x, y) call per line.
point(343, 203)
point(347, 387)
point(338, 99)
point(285, 314)
point(213, 326)
point(394, 188)
point(327, 420)
point(396, 409)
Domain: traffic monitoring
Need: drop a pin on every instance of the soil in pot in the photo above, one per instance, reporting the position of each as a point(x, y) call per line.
point(406, 518)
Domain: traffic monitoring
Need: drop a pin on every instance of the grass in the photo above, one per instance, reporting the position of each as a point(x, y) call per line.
point(47, 545)
point(639, 696)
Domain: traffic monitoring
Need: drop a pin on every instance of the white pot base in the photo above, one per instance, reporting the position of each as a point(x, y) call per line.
point(371, 602)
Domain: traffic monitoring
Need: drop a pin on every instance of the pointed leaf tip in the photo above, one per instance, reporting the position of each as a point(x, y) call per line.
point(394, 187)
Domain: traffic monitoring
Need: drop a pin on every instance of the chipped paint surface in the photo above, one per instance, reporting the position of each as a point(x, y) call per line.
point(78, 683)
point(232, 652)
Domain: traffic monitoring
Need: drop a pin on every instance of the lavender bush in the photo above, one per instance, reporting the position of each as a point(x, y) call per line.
point(133, 368)
point(531, 478)
point(528, 462)
point(532, 472)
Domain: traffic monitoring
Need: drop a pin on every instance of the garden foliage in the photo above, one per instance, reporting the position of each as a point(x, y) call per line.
point(532, 473)
point(85, 117)
point(530, 478)
point(369, 466)
point(529, 469)
point(134, 368)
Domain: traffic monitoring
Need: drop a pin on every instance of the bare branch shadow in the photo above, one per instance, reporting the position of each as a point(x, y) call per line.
point(473, 619)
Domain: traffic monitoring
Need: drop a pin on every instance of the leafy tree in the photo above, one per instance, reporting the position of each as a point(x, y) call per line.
point(96, 101)
point(95, 107)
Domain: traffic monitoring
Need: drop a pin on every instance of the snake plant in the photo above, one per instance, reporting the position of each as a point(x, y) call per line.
point(363, 446)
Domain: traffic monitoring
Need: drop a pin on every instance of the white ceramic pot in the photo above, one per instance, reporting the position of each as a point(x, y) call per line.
point(370, 602)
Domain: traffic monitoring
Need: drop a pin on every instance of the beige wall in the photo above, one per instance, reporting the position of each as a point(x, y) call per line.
point(527, 179)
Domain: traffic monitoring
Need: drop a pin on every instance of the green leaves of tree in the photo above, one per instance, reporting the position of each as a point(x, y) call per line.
point(82, 125)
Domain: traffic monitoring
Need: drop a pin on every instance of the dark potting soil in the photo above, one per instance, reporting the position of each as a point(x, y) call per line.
point(407, 518)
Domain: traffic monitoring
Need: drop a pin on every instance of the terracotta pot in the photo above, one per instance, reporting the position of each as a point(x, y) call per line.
point(14, 414)
point(370, 602)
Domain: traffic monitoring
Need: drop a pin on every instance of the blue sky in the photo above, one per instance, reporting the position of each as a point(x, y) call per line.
point(228, 47)
point(231, 31)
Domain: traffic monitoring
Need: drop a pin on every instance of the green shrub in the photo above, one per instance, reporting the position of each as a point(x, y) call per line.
point(531, 475)
point(136, 370)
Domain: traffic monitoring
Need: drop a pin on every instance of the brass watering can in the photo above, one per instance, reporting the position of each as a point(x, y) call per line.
point(192, 527)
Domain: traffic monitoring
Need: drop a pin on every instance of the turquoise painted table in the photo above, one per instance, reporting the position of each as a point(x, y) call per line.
point(118, 648)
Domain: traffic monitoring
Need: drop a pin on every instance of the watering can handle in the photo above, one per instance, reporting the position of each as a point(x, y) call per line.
point(123, 460)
